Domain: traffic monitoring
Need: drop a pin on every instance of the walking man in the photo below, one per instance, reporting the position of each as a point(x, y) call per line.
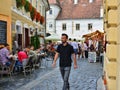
point(65, 51)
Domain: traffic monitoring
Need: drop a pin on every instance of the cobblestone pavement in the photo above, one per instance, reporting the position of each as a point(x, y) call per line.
point(83, 78)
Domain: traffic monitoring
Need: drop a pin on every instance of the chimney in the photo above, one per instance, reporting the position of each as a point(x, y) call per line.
point(90, 1)
point(75, 1)
point(101, 11)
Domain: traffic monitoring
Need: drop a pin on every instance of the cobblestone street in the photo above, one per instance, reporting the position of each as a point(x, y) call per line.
point(83, 78)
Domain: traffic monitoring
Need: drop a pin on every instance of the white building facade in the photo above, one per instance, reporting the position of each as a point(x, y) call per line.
point(51, 17)
point(77, 28)
point(75, 17)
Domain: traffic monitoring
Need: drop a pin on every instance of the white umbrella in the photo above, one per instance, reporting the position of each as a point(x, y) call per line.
point(53, 37)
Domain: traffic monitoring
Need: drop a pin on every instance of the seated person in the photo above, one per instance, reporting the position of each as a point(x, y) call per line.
point(31, 53)
point(32, 48)
point(22, 55)
point(5, 55)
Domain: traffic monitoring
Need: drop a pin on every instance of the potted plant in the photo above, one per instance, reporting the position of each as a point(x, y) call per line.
point(38, 17)
point(30, 7)
point(23, 2)
point(26, 6)
point(20, 3)
point(33, 13)
point(42, 20)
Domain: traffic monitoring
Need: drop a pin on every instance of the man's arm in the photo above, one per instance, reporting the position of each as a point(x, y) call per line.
point(74, 61)
point(55, 59)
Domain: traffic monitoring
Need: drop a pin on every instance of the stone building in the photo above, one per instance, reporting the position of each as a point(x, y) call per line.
point(112, 35)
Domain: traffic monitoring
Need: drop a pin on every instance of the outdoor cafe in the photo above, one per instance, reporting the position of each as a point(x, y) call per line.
point(28, 65)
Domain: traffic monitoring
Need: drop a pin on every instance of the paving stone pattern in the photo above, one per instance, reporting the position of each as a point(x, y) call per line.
point(83, 78)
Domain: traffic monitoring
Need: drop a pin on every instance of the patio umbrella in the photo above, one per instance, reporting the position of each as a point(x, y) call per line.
point(53, 37)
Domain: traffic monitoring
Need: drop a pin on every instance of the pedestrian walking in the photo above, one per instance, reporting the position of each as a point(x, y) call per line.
point(86, 49)
point(75, 46)
point(65, 51)
point(79, 51)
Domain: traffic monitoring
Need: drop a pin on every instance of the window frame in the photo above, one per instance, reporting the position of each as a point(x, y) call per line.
point(90, 26)
point(50, 11)
point(77, 26)
point(64, 26)
point(50, 25)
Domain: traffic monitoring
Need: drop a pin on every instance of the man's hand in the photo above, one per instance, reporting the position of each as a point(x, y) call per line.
point(54, 65)
point(75, 66)
point(55, 59)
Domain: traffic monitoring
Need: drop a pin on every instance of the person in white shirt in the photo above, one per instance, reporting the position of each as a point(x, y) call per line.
point(75, 46)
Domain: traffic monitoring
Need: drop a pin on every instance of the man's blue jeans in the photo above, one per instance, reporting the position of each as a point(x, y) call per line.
point(65, 72)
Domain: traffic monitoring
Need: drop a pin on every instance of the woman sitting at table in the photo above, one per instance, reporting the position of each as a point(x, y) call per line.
point(21, 55)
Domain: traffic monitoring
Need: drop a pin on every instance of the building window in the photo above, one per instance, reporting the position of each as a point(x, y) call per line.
point(18, 29)
point(50, 12)
point(77, 26)
point(36, 4)
point(31, 1)
point(50, 25)
point(40, 8)
point(3, 32)
point(90, 1)
point(90, 26)
point(64, 26)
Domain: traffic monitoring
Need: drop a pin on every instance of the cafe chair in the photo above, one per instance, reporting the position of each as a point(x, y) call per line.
point(26, 66)
point(38, 61)
point(7, 70)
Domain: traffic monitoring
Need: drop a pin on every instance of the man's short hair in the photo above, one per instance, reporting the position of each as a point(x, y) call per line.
point(65, 35)
point(6, 44)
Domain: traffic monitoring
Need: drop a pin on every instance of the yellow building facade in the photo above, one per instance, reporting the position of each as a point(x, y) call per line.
point(20, 26)
point(112, 35)
point(5, 17)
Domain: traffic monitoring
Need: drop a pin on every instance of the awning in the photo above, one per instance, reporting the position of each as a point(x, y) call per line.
point(93, 34)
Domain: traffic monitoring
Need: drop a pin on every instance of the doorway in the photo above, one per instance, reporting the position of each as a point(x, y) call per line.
point(27, 39)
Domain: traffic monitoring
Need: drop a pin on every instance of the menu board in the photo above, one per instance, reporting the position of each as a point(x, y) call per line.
point(3, 32)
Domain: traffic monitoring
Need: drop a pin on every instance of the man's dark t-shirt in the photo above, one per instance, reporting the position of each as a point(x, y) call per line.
point(65, 55)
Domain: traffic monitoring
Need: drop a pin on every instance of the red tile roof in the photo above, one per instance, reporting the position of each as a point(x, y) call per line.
point(82, 10)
